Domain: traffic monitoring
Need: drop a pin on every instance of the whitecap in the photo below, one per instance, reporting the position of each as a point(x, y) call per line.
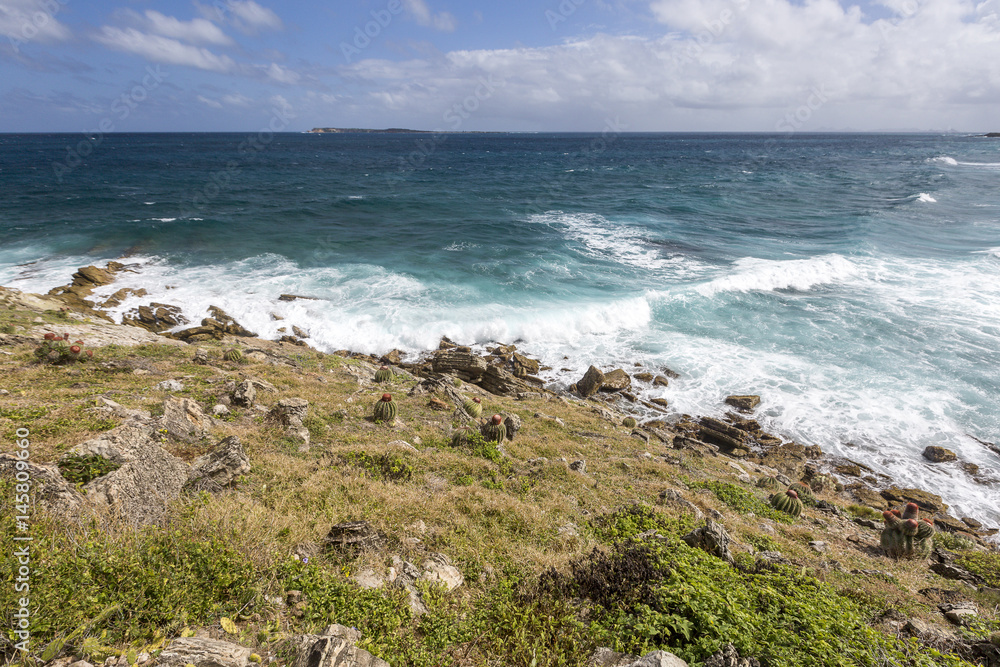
point(754, 274)
point(924, 197)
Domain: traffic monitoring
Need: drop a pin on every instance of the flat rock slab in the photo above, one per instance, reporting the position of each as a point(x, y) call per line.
point(203, 652)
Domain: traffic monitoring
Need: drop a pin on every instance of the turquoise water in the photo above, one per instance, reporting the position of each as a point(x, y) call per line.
point(851, 280)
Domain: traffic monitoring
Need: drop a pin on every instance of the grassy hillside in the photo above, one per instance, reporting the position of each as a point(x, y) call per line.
point(552, 559)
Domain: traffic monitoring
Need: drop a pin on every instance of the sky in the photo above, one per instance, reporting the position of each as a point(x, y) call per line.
point(549, 65)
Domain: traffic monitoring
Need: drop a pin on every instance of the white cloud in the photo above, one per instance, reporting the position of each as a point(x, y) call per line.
point(210, 103)
point(27, 20)
point(276, 72)
point(442, 21)
point(737, 64)
point(246, 15)
point(236, 100)
point(196, 31)
point(163, 49)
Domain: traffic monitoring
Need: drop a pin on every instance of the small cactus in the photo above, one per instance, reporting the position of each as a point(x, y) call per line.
point(233, 354)
point(385, 409)
point(474, 407)
point(383, 374)
point(629, 422)
point(904, 535)
point(804, 492)
point(460, 438)
point(787, 502)
point(769, 483)
point(494, 430)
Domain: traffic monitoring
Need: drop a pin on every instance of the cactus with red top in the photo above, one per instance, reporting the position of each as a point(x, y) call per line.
point(473, 406)
point(383, 374)
point(385, 409)
point(495, 430)
point(787, 502)
point(905, 535)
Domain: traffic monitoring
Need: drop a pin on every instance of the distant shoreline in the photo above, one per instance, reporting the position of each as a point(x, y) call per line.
point(391, 130)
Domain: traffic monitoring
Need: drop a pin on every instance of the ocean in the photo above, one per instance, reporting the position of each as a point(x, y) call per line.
point(849, 279)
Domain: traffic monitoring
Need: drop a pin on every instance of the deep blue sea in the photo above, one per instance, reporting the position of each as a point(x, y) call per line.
point(850, 280)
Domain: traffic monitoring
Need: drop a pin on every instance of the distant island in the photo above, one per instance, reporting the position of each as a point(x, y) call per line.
point(995, 135)
point(390, 130)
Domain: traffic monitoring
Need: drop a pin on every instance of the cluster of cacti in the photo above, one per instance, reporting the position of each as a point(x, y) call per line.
point(460, 437)
point(770, 482)
point(56, 350)
point(805, 493)
point(787, 502)
point(233, 354)
point(385, 409)
point(383, 374)
point(494, 430)
point(905, 535)
point(629, 422)
point(473, 406)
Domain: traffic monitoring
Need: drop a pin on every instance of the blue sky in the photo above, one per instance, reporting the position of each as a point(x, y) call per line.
point(562, 65)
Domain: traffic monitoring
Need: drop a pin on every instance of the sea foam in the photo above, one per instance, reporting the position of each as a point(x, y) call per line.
point(754, 274)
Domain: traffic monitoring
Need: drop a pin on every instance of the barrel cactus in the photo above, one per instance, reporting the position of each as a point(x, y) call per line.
point(461, 436)
point(906, 536)
point(494, 430)
point(770, 482)
point(474, 406)
point(385, 409)
point(383, 374)
point(629, 422)
point(787, 502)
point(234, 355)
point(805, 493)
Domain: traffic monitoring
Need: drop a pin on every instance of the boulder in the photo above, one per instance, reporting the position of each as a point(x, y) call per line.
point(298, 331)
point(523, 365)
point(605, 657)
point(353, 536)
point(291, 412)
point(499, 382)
point(228, 324)
point(203, 652)
point(512, 423)
point(711, 538)
point(184, 420)
point(939, 454)
point(49, 488)
point(644, 377)
point(728, 656)
point(335, 647)
point(743, 403)
point(438, 569)
point(244, 394)
point(217, 469)
point(616, 380)
point(91, 276)
point(459, 362)
point(156, 317)
point(924, 500)
point(661, 381)
point(590, 383)
point(659, 659)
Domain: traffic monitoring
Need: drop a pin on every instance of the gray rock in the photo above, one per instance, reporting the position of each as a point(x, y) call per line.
point(512, 423)
point(221, 466)
point(334, 648)
point(140, 490)
point(203, 652)
point(170, 385)
point(579, 465)
point(819, 546)
point(659, 659)
point(289, 411)
point(959, 613)
point(728, 656)
point(605, 657)
point(438, 569)
point(591, 382)
point(244, 394)
point(107, 406)
point(220, 410)
point(184, 420)
point(616, 380)
point(711, 538)
point(48, 487)
point(743, 403)
point(352, 536)
point(201, 356)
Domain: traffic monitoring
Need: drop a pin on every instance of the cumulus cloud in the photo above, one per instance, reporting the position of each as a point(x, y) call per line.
point(209, 103)
point(196, 31)
point(25, 20)
point(163, 49)
point(442, 21)
point(245, 15)
point(276, 72)
point(728, 64)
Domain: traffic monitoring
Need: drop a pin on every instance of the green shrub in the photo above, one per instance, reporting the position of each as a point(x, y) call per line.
point(742, 501)
point(79, 469)
point(629, 521)
point(986, 565)
point(386, 467)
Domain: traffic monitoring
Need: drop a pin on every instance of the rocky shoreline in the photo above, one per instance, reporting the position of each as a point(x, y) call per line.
point(143, 478)
point(504, 371)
